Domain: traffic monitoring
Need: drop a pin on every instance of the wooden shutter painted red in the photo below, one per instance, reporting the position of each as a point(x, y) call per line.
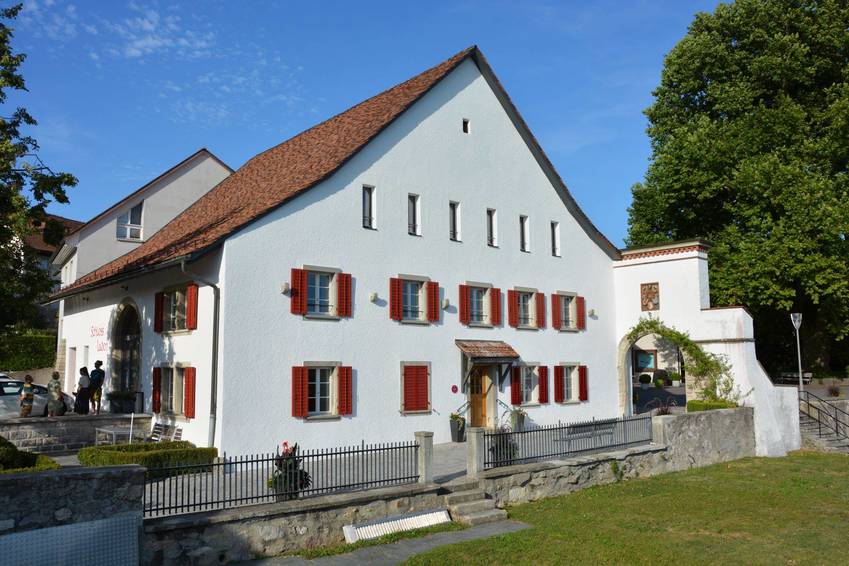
point(581, 310)
point(540, 298)
point(300, 391)
point(189, 392)
point(495, 306)
point(343, 294)
point(543, 384)
point(513, 308)
point(395, 298)
point(298, 291)
point(156, 393)
point(432, 301)
point(192, 306)
point(158, 303)
point(556, 321)
point(465, 312)
point(345, 391)
point(516, 385)
point(415, 388)
point(583, 386)
point(558, 384)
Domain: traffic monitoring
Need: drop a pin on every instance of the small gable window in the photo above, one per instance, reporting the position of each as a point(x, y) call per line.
point(130, 224)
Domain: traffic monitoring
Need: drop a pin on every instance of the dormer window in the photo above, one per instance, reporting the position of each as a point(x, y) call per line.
point(130, 224)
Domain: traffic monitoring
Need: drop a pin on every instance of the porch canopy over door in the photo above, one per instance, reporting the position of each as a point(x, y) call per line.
point(486, 352)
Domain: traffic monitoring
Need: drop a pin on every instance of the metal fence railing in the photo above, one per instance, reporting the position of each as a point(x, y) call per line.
point(563, 440)
point(232, 481)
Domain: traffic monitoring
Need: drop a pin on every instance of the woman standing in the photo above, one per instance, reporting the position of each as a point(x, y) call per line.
point(55, 404)
point(81, 403)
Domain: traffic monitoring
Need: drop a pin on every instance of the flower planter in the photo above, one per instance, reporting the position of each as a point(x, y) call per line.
point(676, 383)
point(458, 430)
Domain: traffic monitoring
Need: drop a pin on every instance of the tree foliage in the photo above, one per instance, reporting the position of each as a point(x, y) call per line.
point(749, 132)
point(27, 186)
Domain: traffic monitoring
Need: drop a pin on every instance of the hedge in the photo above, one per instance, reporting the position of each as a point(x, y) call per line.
point(13, 460)
point(696, 405)
point(151, 455)
point(21, 352)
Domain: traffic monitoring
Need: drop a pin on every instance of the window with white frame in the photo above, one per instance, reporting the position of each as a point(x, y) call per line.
point(567, 311)
point(477, 305)
point(174, 310)
point(320, 390)
point(454, 221)
point(411, 297)
point(130, 223)
point(555, 239)
point(570, 375)
point(318, 292)
point(524, 234)
point(530, 384)
point(414, 227)
point(491, 228)
point(526, 308)
point(171, 390)
point(369, 220)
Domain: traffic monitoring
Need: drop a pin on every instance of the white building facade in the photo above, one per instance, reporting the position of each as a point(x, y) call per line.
point(438, 267)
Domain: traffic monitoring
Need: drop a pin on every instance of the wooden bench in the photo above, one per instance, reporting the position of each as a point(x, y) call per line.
point(600, 432)
point(165, 433)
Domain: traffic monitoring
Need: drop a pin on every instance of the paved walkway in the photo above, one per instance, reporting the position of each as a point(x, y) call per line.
point(397, 552)
point(449, 461)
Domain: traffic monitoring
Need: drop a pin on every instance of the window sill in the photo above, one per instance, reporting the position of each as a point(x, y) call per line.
point(414, 321)
point(422, 412)
point(526, 327)
point(175, 332)
point(416, 235)
point(479, 325)
point(494, 246)
point(569, 329)
point(323, 418)
point(455, 240)
point(534, 404)
point(525, 251)
point(318, 316)
point(572, 402)
point(372, 228)
point(130, 240)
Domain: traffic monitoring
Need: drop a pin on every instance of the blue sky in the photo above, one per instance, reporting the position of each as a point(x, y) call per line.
point(124, 90)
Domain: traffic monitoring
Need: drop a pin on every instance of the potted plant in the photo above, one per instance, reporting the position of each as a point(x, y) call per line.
point(121, 401)
point(645, 379)
point(659, 383)
point(675, 378)
point(458, 428)
point(288, 479)
point(517, 419)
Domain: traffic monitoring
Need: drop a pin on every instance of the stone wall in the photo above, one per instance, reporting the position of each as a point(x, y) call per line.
point(63, 434)
point(37, 500)
point(217, 537)
point(680, 442)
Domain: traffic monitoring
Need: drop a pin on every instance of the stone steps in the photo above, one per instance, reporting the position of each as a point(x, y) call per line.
point(471, 507)
point(818, 437)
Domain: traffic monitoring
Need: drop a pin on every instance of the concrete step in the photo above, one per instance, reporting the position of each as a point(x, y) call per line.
point(481, 517)
point(460, 484)
point(471, 507)
point(457, 497)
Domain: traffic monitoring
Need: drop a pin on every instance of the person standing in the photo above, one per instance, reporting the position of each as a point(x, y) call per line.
point(96, 378)
point(27, 396)
point(55, 403)
point(81, 403)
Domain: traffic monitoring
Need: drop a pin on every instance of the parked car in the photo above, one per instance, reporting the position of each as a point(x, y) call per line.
point(10, 399)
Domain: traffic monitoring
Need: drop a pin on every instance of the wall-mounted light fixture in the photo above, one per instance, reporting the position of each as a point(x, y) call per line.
point(284, 288)
point(372, 297)
point(445, 304)
point(591, 313)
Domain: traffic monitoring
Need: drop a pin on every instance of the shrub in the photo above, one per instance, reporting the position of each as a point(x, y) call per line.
point(151, 455)
point(697, 405)
point(13, 460)
point(674, 376)
point(645, 378)
point(659, 383)
point(27, 351)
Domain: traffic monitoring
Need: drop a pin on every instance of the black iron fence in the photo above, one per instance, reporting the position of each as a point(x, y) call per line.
point(232, 481)
point(828, 418)
point(562, 440)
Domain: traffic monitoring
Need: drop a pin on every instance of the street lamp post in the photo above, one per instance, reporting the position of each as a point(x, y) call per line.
point(796, 319)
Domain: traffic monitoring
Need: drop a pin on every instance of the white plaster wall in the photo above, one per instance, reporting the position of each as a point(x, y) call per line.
point(97, 243)
point(93, 313)
point(725, 331)
point(423, 152)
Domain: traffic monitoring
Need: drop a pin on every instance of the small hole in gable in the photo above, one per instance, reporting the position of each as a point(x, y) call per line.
point(466, 125)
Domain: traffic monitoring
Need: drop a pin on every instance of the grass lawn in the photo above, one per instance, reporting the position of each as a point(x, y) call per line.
point(792, 510)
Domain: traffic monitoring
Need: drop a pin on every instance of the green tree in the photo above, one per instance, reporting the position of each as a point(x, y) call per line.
point(27, 186)
point(749, 132)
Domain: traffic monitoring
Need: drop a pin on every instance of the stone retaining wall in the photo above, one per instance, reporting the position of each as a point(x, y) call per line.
point(63, 434)
point(680, 442)
point(38, 500)
point(217, 537)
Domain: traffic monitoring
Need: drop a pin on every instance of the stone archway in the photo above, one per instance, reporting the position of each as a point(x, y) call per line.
point(125, 366)
point(667, 356)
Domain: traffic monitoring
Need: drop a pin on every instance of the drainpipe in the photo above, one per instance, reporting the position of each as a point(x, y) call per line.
point(213, 401)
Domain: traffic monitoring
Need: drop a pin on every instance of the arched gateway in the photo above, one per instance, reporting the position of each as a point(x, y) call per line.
point(126, 348)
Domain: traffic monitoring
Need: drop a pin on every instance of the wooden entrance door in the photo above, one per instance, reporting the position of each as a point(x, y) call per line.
point(478, 388)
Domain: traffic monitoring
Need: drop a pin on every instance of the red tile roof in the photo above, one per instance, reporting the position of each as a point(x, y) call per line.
point(36, 239)
point(279, 174)
point(478, 349)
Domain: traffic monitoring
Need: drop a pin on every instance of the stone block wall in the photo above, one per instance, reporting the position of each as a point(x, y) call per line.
point(38, 500)
point(47, 435)
point(217, 537)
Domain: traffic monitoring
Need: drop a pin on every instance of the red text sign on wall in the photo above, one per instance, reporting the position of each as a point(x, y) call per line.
point(99, 332)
